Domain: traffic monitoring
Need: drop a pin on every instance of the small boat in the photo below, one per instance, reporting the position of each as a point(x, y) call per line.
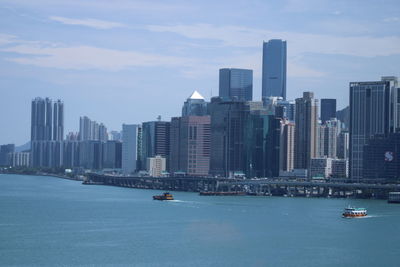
point(165, 196)
point(351, 212)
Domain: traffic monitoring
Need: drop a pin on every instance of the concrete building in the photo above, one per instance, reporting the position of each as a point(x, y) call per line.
point(236, 84)
point(327, 138)
point(320, 168)
point(287, 146)
point(340, 168)
point(156, 166)
point(274, 69)
point(190, 145)
point(130, 140)
point(19, 159)
point(305, 143)
point(58, 121)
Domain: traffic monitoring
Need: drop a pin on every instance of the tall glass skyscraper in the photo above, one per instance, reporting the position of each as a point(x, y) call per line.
point(236, 84)
point(369, 115)
point(274, 69)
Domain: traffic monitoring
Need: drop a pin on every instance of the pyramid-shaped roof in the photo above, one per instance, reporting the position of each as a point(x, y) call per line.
point(196, 95)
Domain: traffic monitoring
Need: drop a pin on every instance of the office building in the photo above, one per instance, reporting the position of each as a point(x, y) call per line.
point(155, 140)
point(190, 145)
point(287, 109)
point(274, 69)
point(130, 139)
point(381, 158)
point(328, 109)
point(156, 166)
point(305, 142)
point(342, 150)
point(369, 116)
point(236, 84)
point(245, 139)
point(195, 105)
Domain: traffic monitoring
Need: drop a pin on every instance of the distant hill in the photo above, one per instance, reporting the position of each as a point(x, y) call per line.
point(23, 147)
point(344, 116)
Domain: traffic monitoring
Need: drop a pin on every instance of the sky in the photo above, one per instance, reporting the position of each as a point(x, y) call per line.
point(130, 61)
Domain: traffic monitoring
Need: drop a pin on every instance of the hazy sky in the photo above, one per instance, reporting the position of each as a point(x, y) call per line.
point(130, 61)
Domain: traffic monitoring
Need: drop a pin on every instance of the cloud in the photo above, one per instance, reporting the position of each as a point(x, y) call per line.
point(392, 19)
point(93, 23)
point(298, 43)
point(50, 55)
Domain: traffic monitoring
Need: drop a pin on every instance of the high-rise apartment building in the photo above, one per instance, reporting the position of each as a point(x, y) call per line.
point(41, 119)
point(328, 109)
point(327, 138)
point(305, 143)
point(369, 115)
point(91, 130)
point(156, 166)
point(274, 69)
point(58, 121)
point(236, 84)
point(287, 146)
point(47, 130)
point(130, 139)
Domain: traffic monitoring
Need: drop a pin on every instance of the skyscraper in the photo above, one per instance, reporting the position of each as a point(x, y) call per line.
point(41, 119)
point(327, 138)
point(58, 121)
point(369, 116)
point(190, 145)
point(195, 105)
point(274, 69)
point(236, 84)
point(47, 130)
point(305, 143)
point(328, 109)
point(130, 137)
point(155, 140)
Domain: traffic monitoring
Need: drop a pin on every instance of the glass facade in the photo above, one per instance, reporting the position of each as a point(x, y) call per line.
point(274, 69)
point(236, 84)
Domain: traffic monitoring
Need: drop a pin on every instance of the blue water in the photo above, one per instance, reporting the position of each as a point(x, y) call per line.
point(46, 221)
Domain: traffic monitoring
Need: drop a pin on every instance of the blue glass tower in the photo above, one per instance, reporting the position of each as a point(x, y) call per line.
point(236, 84)
point(274, 69)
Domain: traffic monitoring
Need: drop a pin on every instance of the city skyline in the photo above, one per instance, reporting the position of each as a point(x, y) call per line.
point(57, 52)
